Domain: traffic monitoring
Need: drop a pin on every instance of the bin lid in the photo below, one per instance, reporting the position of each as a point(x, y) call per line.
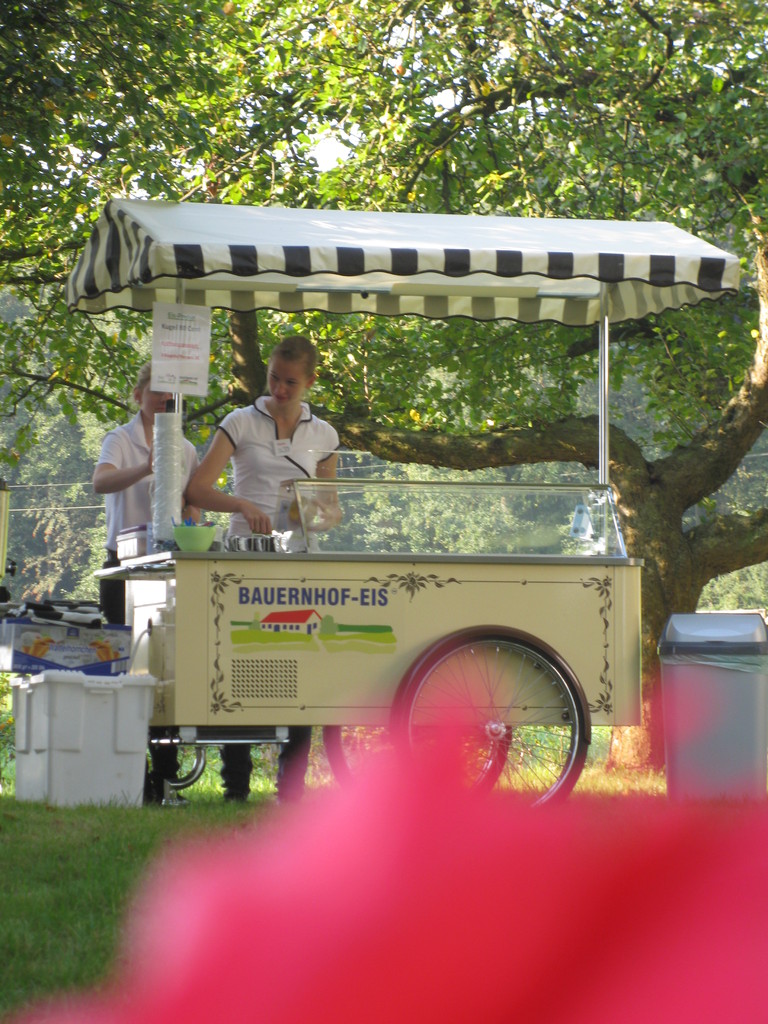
point(723, 632)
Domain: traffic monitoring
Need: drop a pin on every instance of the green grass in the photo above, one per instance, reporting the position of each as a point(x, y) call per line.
point(68, 874)
point(67, 877)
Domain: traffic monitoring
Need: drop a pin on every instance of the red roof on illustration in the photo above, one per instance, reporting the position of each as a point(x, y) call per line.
point(303, 615)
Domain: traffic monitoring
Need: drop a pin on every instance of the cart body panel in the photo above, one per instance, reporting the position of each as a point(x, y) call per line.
point(306, 639)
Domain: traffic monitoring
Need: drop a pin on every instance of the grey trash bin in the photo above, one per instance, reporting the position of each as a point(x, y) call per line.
point(714, 682)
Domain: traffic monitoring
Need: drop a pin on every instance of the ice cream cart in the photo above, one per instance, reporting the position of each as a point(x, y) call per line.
point(508, 614)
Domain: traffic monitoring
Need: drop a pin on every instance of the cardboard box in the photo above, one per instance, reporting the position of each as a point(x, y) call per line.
point(30, 646)
point(81, 738)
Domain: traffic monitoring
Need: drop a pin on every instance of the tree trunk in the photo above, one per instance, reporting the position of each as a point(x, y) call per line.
point(248, 367)
point(629, 748)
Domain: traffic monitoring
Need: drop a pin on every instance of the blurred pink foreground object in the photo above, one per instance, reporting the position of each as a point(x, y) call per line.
point(406, 900)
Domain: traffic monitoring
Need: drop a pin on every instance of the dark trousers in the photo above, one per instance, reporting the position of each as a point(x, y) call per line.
point(112, 594)
point(291, 766)
point(165, 765)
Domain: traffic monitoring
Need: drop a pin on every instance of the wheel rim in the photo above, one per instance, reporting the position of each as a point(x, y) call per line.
point(519, 719)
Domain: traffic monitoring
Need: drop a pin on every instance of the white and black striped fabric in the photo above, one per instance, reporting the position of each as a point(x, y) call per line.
point(431, 265)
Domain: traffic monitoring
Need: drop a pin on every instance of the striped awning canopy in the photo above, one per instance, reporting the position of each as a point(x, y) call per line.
point(433, 265)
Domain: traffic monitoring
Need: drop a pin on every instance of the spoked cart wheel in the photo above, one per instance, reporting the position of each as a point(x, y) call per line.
point(351, 749)
point(519, 714)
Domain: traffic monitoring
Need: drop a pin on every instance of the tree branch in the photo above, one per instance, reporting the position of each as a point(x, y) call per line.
point(726, 543)
point(570, 440)
point(50, 382)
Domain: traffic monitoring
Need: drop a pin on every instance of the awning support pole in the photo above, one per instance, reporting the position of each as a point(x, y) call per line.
point(602, 463)
point(181, 287)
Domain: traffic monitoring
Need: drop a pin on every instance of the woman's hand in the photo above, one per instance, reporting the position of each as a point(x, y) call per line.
point(258, 521)
point(324, 515)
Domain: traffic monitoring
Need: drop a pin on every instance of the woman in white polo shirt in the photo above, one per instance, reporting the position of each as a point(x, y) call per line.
point(123, 474)
point(277, 438)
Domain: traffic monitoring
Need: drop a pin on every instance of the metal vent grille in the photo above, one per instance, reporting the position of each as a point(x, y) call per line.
point(261, 679)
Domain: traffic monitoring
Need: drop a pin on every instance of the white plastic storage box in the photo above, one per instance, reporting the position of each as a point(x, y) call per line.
point(81, 738)
point(714, 680)
point(134, 541)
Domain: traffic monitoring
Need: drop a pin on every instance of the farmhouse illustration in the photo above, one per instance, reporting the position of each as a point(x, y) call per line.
point(305, 620)
point(305, 625)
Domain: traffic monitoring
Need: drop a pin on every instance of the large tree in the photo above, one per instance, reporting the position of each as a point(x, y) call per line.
point(589, 108)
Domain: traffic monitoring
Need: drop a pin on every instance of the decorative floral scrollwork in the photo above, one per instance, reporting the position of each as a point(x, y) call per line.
point(411, 582)
point(603, 586)
point(219, 701)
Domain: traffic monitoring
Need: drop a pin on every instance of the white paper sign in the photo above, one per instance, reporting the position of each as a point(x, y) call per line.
point(181, 348)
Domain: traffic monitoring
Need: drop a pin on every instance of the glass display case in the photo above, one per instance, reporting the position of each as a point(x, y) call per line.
point(372, 516)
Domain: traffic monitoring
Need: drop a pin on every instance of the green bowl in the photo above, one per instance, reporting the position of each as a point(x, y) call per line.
point(194, 538)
